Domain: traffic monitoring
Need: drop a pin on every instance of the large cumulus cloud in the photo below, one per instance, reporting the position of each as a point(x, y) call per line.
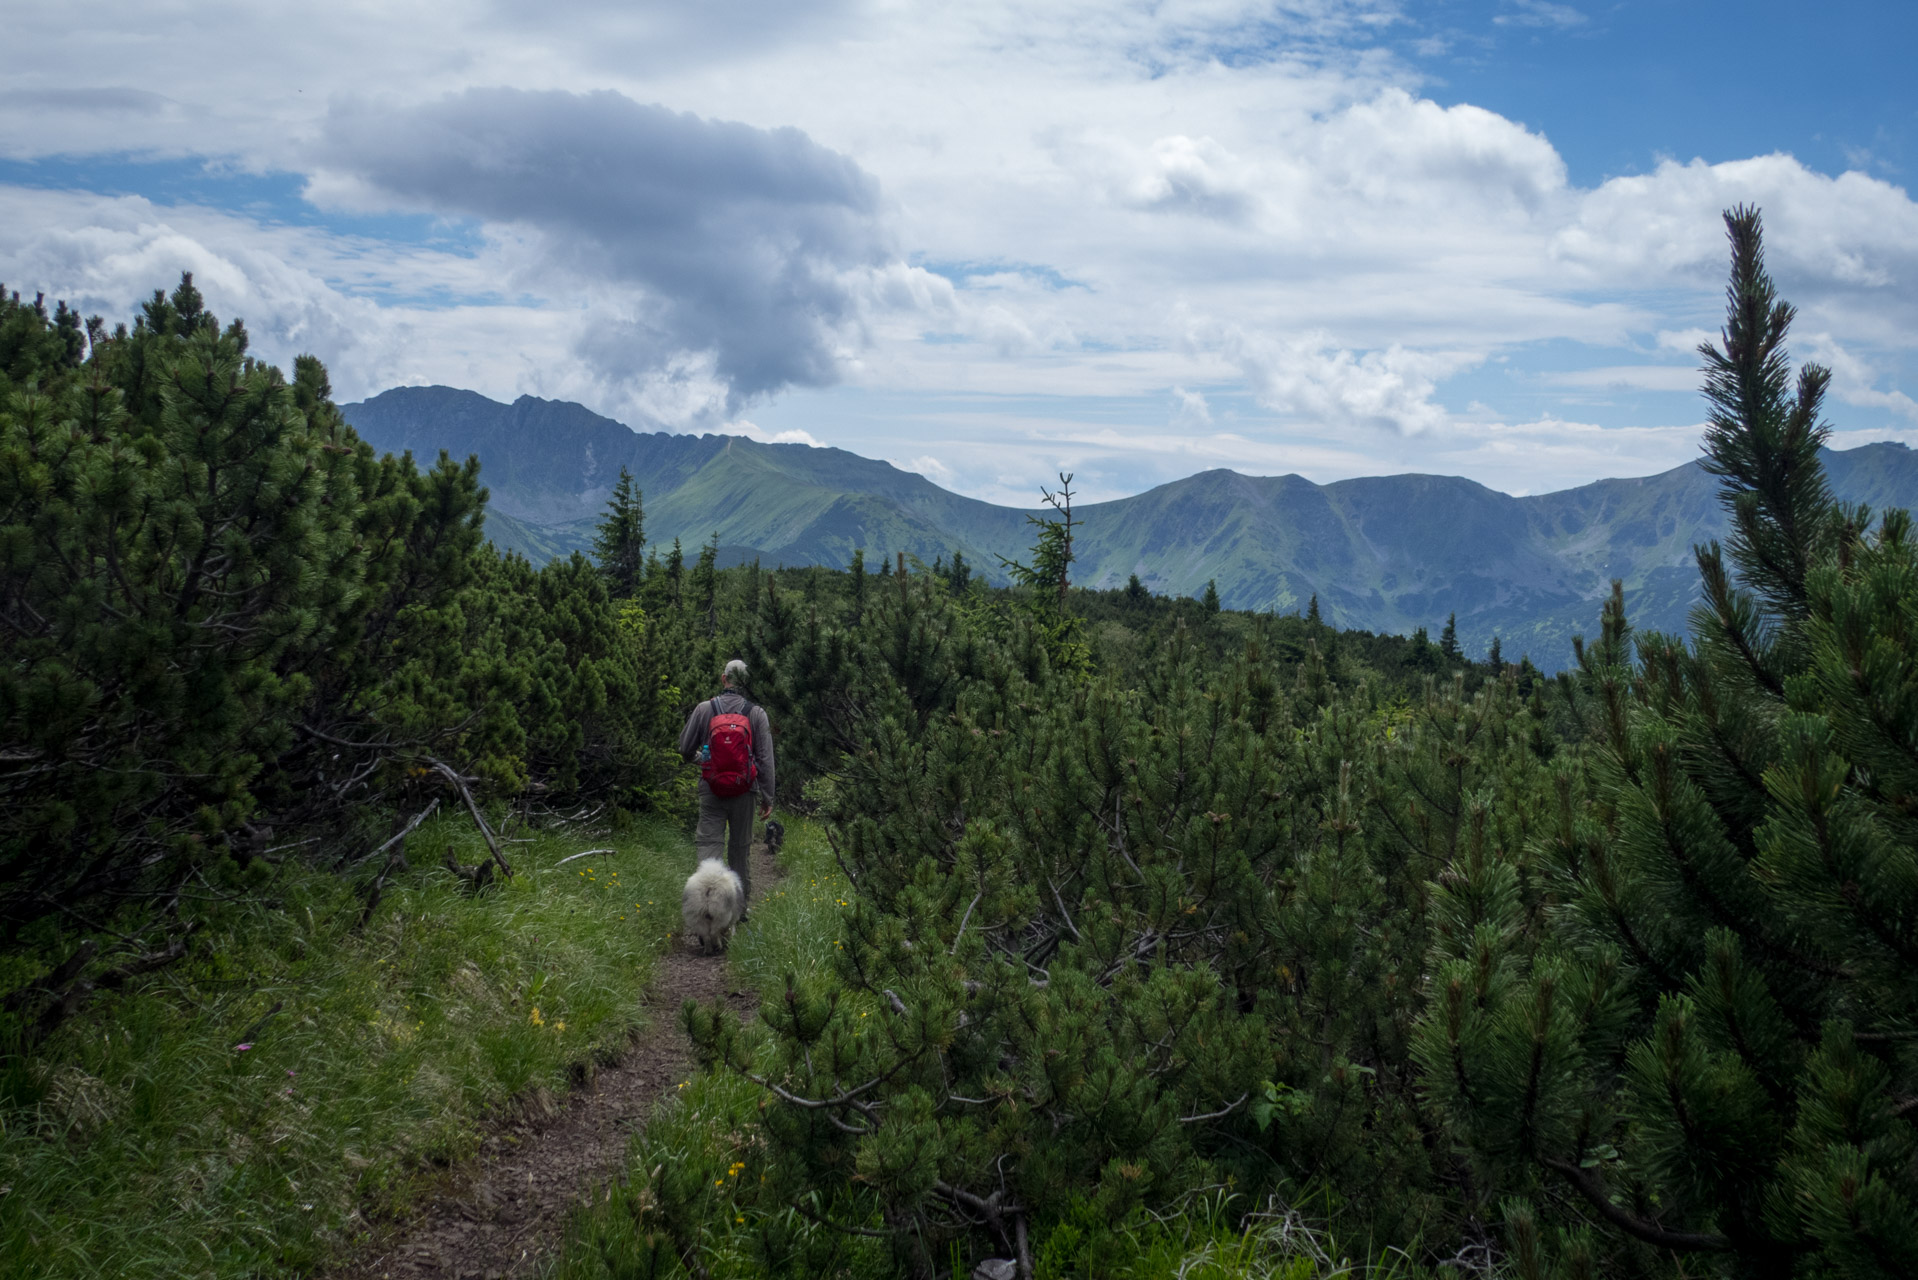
point(715, 250)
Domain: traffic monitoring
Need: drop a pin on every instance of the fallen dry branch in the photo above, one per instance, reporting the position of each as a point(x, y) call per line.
point(396, 861)
point(64, 991)
point(452, 775)
point(476, 877)
point(411, 825)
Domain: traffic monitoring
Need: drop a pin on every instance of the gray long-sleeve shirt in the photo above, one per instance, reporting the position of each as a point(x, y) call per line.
point(699, 725)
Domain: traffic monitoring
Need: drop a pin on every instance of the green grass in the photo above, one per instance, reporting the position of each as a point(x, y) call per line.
point(143, 1140)
point(795, 929)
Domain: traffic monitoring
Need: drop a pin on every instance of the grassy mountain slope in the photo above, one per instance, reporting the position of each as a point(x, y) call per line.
point(1383, 553)
point(779, 499)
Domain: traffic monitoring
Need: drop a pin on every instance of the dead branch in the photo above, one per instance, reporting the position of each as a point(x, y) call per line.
point(66, 992)
point(1221, 1113)
point(404, 832)
point(963, 920)
point(63, 974)
point(259, 1024)
point(396, 860)
point(472, 806)
point(476, 877)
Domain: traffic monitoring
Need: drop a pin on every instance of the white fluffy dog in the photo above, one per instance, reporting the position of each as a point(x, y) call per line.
point(711, 905)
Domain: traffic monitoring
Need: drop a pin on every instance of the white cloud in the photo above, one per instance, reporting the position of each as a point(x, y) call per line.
point(1852, 232)
point(753, 431)
point(1190, 409)
point(1541, 13)
point(1628, 377)
point(1550, 453)
point(1686, 340)
point(928, 466)
point(1854, 381)
point(1048, 219)
point(1176, 174)
point(1311, 378)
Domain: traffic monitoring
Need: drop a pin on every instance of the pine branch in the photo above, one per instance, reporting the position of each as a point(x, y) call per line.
point(824, 1221)
point(1589, 1185)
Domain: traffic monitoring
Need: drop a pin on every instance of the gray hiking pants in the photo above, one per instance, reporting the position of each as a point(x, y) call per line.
point(726, 823)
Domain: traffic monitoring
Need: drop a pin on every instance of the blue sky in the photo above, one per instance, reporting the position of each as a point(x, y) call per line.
point(1128, 238)
point(1616, 86)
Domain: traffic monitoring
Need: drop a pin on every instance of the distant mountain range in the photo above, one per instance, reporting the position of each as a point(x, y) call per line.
point(1385, 553)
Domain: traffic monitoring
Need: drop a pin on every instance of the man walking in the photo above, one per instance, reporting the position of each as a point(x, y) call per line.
point(733, 741)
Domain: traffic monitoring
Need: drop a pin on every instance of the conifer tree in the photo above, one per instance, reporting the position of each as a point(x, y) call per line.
point(959, 575)
point(1210, 601)
point(1495, 657)
point(1047, 579)
point(1706, 1050)
point(1448, 638)
point(675, 575)
point(1312, 611)
point(619, 541)
point(706, 584)
point(857, 572)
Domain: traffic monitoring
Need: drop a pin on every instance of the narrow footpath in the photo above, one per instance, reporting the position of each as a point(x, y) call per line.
point(501, 1214)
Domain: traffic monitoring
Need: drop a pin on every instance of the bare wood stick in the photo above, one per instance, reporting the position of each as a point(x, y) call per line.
point(246, 1037)
point(589, 853)
point(962, 922)
point(1226, 1110)
point(62, 975)
point(405, 831)
point(147, 963)
point(477, 877)
point(472, 807)
point(378, 887)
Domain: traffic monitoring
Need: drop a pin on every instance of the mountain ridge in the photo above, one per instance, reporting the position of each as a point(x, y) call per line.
point(1382, 553)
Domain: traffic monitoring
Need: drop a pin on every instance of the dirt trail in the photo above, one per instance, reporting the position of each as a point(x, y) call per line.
point(499, 1216)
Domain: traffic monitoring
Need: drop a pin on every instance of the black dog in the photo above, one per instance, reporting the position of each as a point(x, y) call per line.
point(775, 836)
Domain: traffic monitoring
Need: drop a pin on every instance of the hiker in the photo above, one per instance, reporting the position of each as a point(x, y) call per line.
point(733, 741)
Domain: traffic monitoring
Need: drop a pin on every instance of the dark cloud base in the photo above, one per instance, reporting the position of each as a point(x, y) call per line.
point(728, 241)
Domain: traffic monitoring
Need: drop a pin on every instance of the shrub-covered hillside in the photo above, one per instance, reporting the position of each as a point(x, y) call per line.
point(232, 631)
point(1147, 912)
point(1620, 983)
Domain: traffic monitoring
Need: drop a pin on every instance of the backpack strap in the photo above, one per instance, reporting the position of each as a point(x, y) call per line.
point(745, 708)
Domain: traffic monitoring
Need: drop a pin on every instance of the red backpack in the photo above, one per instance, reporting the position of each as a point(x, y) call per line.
point(729, 769)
